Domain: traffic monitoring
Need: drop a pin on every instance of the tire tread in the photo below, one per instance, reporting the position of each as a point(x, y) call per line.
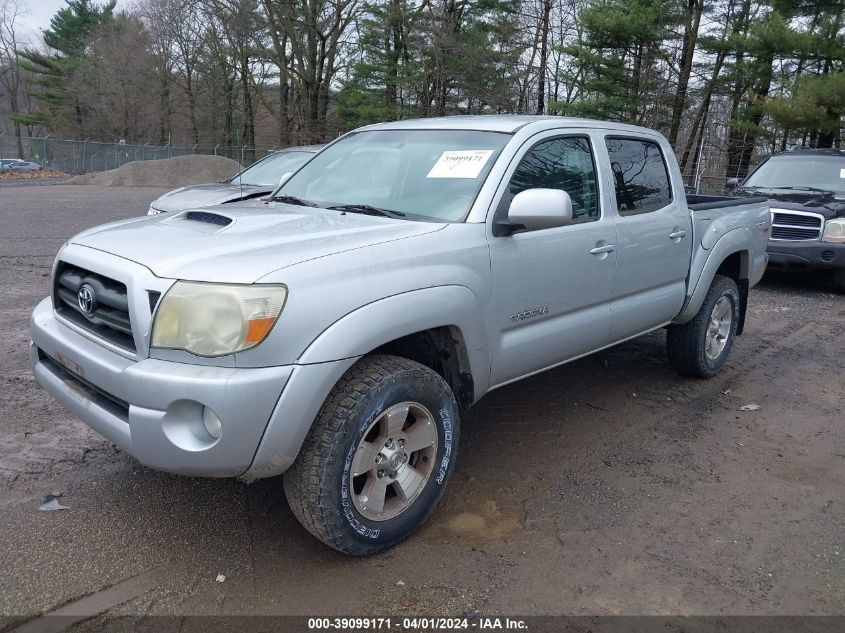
point(682, 341)
point(303, 482)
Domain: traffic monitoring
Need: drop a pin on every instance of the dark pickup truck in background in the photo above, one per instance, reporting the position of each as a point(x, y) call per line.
point(806, 191)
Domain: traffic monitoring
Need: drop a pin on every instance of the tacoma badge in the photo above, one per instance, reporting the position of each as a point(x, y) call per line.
point(529, 314)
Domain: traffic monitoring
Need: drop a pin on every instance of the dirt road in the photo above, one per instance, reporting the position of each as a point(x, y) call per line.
point(608, 486)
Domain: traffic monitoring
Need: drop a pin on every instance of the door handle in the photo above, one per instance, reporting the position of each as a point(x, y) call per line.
point(607, 248)
point(677, 234)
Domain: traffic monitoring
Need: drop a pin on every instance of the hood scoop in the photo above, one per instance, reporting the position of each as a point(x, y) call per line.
point(206, 217)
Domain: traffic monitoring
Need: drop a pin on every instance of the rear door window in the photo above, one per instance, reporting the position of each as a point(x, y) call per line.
point(640, 175)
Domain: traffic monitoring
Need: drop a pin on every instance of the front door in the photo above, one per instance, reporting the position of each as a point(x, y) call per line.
point(552, 287)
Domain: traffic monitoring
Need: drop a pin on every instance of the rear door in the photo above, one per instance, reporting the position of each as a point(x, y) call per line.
point(653, 237)
point(551, 287)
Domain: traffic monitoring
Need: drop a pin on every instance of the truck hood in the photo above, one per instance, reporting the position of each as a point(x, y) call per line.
point(829, 204)
point(207, 195)
point(240, 243)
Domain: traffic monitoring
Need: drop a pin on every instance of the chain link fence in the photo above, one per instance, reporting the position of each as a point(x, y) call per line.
point(78, 157)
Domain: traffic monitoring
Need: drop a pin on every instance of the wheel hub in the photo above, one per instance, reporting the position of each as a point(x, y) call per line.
point(719, 328)
point(393, 461)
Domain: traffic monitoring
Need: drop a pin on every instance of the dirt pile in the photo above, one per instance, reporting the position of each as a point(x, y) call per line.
point(168, 172)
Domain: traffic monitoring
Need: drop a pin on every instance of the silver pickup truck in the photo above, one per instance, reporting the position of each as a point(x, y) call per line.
point(337, 332)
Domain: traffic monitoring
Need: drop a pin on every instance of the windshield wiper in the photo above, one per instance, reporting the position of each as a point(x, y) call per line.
point(294, 200)
point(367, 209)
point(803, 188)
point(787, 188)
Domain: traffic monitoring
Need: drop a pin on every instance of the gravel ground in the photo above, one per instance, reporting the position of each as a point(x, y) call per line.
point(608, 486)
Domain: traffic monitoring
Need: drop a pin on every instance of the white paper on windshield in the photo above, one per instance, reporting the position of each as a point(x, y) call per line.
point(460, 164)
point(842, 173)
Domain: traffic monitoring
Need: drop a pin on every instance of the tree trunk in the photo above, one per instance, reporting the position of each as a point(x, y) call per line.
point(192, 110)
point(695, 8)
point(249, 111)
point(825, 138)
point(163, 108)
point(284, 112)
point(522, 104)
point(228, 111)
point(394, 42)
point(736, 138)
point(544, 53)
point(19, 139)
point(634, 89)
point(701, 113)
point(280, 46)
point(761, 93)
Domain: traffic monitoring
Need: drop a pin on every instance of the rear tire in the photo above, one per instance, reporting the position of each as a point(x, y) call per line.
point(700, 347)
point(377, 459)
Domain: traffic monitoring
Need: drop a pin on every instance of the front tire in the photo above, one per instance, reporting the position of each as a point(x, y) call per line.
point(700, 347)
point(377, 459)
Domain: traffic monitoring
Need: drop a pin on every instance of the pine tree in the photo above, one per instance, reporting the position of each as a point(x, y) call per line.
point(812, 103)
point(620, 54)
point(55, 72)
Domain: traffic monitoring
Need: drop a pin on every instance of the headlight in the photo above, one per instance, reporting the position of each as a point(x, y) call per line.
point(834, 230)
point(215, 319)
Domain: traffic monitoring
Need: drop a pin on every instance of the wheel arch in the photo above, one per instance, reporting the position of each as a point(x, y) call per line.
point(439, 327)
point(729, 256)
point(443, 350)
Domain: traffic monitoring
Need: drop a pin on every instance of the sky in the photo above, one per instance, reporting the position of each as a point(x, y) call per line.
point(37, 13)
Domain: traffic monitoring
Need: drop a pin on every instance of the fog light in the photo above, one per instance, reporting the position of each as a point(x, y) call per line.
point(211, 422)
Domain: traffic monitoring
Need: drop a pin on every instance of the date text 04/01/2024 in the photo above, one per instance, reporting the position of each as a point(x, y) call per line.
point(416, 623)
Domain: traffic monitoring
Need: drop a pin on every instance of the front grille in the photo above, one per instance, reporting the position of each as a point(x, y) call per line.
point(109, 316)
point(795, 225)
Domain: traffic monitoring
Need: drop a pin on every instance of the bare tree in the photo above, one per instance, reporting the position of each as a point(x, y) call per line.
point(317, 31)
point(10, 72)
point(119, 75)
point(155, 18)
point(279, 38)
point(180, 30)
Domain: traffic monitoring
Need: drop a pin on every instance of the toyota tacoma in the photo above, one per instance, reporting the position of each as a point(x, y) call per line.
point(337, 332)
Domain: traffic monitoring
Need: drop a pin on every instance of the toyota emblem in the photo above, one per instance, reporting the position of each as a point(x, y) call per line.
point(85, 299)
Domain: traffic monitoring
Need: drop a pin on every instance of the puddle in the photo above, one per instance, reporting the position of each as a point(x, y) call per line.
point(488, 522)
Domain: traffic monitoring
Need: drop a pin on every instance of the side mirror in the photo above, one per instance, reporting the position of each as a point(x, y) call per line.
point(285, 176)
point(534, 209)
point(732, 184)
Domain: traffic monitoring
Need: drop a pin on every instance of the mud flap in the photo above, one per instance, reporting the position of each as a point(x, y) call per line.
point(743, 304)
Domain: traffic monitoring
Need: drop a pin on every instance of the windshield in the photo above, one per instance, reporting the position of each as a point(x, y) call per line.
point(818, 172)
point(431, 174)
point(268, 171)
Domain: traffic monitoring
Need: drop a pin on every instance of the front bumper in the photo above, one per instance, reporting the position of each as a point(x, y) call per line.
point(799, 255)
point(151, 408)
